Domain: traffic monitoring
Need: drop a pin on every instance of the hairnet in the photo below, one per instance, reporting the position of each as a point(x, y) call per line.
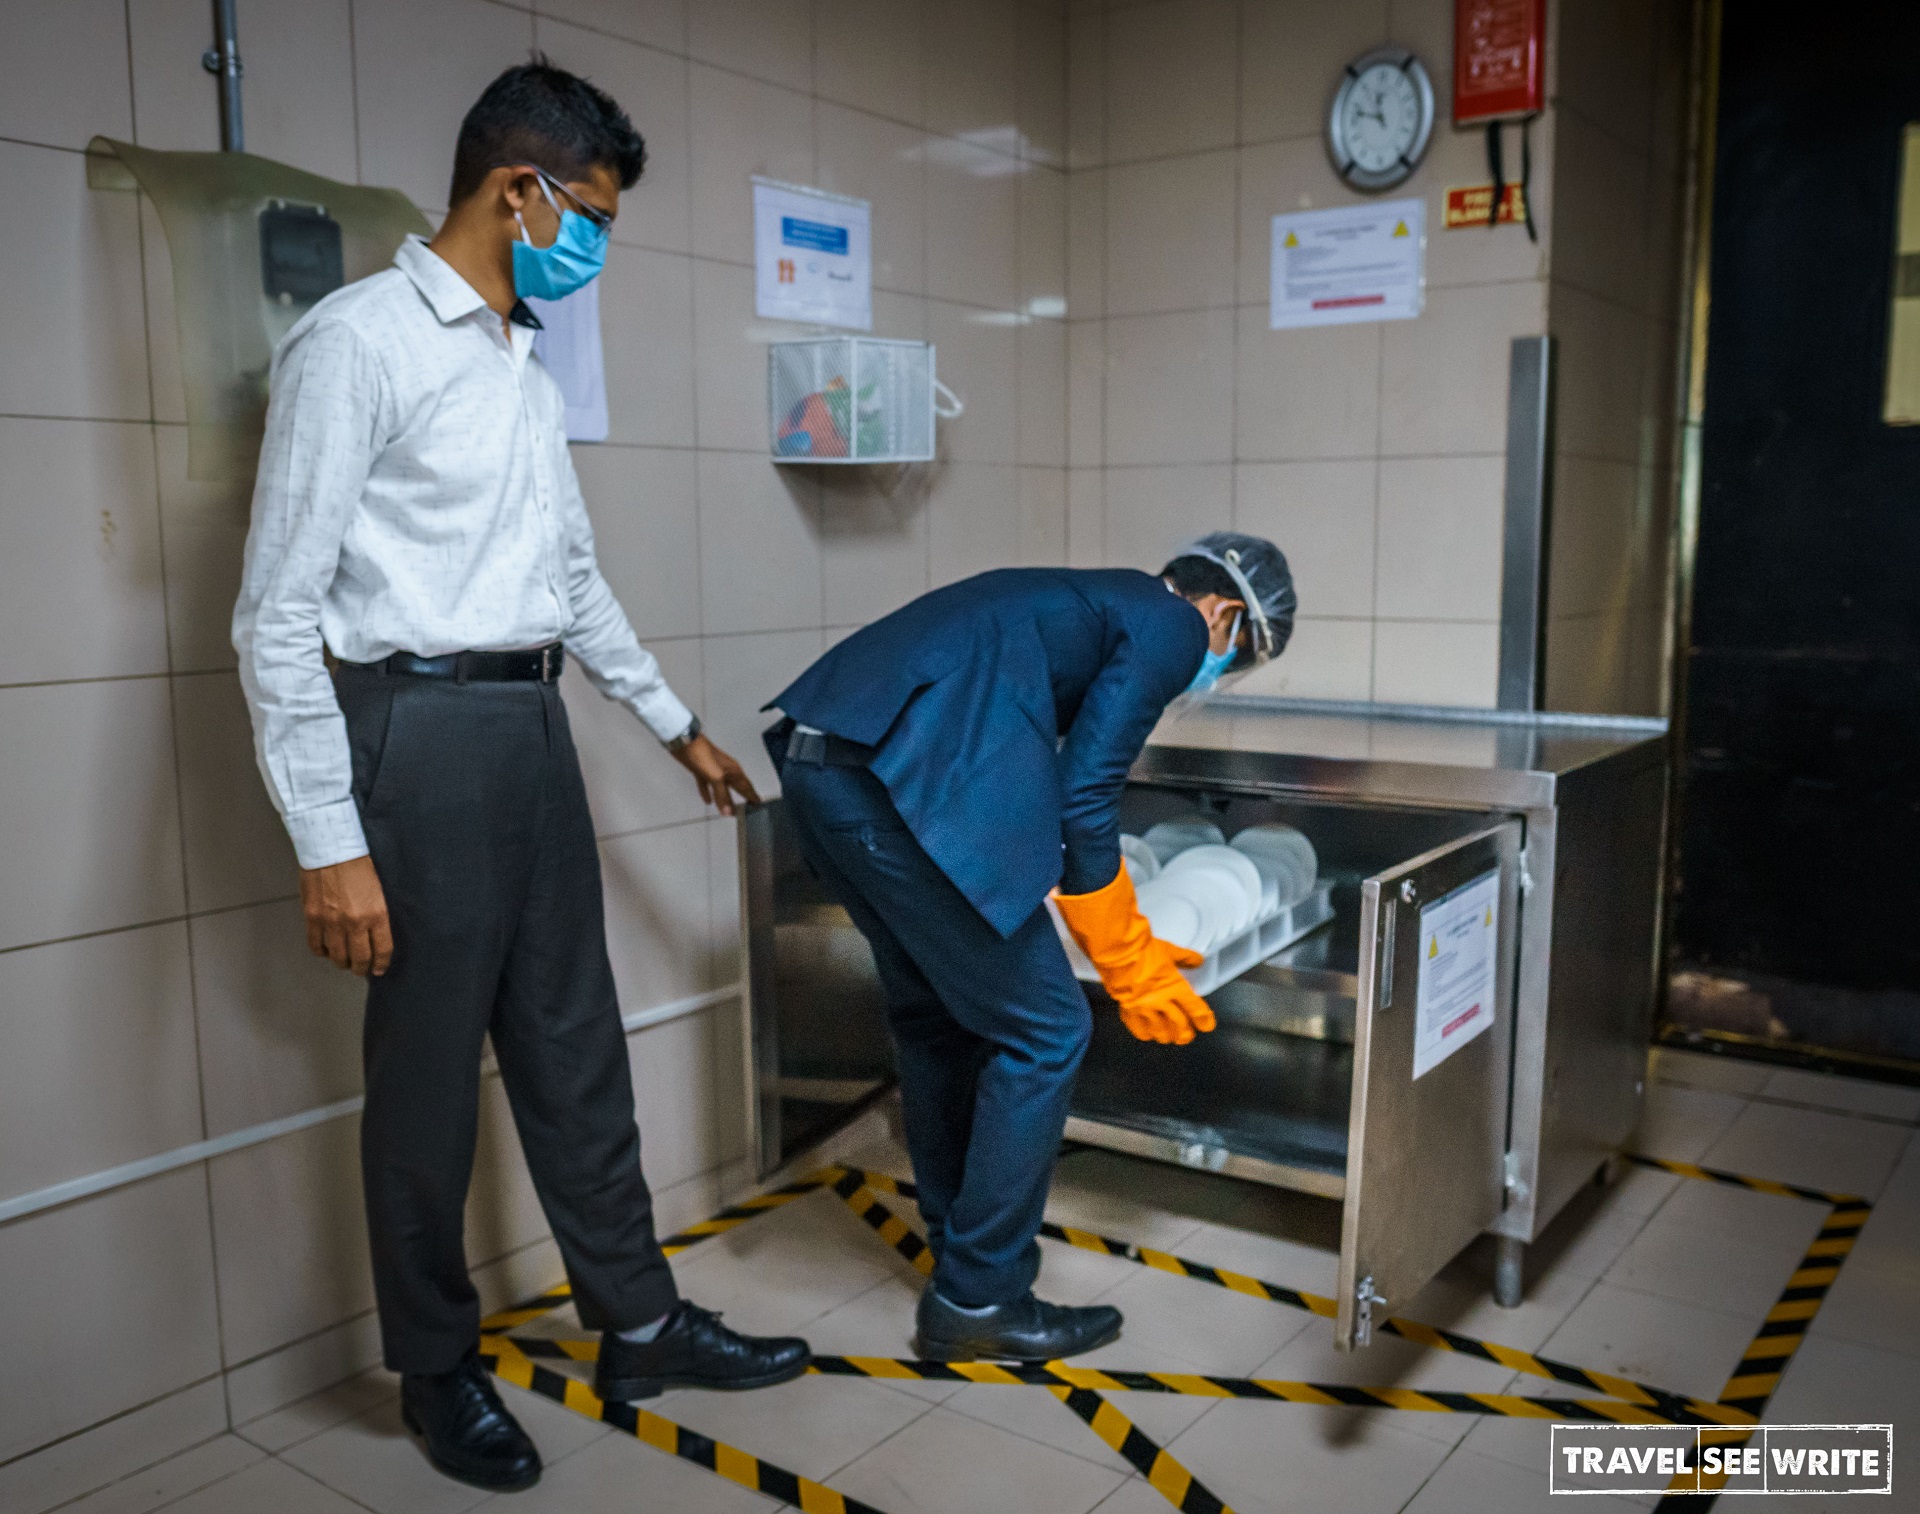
point(1260, 571)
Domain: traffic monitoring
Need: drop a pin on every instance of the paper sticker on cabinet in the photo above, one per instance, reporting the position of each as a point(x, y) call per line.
point(1458, 976)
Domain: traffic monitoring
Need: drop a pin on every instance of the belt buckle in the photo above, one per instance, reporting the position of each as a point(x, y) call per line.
point(546, 664)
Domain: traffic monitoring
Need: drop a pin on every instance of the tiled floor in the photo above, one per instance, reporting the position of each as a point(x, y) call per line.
point(1658, 1278)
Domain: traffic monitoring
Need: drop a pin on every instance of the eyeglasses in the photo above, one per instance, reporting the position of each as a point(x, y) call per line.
point(592, 212)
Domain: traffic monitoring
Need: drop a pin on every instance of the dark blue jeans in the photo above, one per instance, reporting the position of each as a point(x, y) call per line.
point(988, 1033)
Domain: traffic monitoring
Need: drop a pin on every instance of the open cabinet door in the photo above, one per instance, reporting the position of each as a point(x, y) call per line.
point(817, 1047)
point(1432, 1046)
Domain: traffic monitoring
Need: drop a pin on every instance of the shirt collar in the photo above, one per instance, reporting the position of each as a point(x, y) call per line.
point(450, 295)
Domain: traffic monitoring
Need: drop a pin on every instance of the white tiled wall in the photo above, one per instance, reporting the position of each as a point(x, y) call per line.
point(1372, 453)
point(154, 984)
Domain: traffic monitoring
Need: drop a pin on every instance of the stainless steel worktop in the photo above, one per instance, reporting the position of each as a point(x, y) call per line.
point(1446, 756)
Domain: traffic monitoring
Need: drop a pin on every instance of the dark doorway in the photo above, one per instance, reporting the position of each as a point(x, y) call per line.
point(1800, 820)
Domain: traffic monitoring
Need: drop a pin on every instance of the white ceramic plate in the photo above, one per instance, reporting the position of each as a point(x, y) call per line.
point(1172, 917)
point(1284, 854)
point(1279, 879)
point(1172, 836)
point(1139, 859)
point(1236, 865)
point(1217, 895)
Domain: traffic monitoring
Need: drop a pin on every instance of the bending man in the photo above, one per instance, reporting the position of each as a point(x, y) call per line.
point(947, 767)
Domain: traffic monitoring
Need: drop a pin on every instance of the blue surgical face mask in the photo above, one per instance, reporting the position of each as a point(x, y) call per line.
point(574, 260)
point(1214, 664)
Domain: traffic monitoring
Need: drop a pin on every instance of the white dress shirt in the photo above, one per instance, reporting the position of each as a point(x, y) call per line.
point(415, 494)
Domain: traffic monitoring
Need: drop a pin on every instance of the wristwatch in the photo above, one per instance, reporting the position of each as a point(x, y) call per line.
point(686, 738)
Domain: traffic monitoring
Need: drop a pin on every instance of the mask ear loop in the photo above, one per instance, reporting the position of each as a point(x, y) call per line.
point(1262, 636)
point(547, 195)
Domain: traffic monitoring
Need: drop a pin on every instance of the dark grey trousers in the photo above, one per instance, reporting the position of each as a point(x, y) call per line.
point(477, 821)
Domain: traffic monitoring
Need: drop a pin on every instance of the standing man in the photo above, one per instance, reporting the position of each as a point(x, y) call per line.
point(946, 768)
point(416, 514)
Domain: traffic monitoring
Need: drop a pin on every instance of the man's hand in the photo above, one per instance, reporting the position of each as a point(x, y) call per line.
point(1140, 971)
point(346, 912)
point(718, 775)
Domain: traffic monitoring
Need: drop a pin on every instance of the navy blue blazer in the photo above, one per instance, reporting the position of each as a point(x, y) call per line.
point(1007, 710)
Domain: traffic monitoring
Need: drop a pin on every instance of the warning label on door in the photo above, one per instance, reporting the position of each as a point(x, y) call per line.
point(1458, 970)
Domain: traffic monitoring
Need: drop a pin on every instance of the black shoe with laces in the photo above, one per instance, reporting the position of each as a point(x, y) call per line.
point(468, 1432)
point(694, 1350)
point(1028, 1330)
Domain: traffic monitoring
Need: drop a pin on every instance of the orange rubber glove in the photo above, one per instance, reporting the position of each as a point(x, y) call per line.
point(1139, 970)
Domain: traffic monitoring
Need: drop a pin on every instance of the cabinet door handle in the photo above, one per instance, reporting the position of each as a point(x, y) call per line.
point(1386, 956)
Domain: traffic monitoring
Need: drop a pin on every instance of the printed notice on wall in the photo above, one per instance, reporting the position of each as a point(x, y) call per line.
point(1458, 970)
point(1356, 263)
point(813, 256)
point(568, 345)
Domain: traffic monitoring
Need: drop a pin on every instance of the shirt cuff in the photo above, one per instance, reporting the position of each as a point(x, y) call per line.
point(663, 713)
point(327, 834)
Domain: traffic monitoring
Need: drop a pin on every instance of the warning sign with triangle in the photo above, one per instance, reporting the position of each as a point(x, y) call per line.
point(1348, 263)
point(1433, 948)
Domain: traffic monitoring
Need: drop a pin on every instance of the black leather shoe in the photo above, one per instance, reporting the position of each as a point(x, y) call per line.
point(468, 1431)
point(695, 1351)
point(1027, 1331)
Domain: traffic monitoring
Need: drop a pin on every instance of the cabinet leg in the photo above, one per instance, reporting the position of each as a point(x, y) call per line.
point(1509, 1263)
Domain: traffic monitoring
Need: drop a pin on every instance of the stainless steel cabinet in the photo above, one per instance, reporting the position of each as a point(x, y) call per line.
point(1316, 1078)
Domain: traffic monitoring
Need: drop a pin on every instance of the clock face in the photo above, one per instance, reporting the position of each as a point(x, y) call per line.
point(1381, 119)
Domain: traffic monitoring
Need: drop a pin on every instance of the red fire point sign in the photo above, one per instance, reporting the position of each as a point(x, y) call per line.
point(1467, 205)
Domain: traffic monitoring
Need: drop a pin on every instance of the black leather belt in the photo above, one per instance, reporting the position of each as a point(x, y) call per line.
point(530, 665)
point(824, 750)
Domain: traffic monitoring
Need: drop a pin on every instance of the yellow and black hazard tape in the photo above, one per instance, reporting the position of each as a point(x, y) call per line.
point(676, 1440)
point(1745, 1397)
point(855, 1186)
point(513, 1358)
point(1739, 1180)
point(1275, 1390)
point(1764, 1362)
point(1151, 1460)
point(673, 1245)
point(738, 1214)
point(1788, 1321)
point(1058, 1375)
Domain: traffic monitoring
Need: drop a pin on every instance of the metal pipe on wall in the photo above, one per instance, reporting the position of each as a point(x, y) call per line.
point(223, 61)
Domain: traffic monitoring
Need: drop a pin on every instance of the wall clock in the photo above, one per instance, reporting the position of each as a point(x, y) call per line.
point(1381, 118)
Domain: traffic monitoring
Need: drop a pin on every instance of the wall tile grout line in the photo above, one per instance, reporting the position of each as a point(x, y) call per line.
point(73, 1190)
